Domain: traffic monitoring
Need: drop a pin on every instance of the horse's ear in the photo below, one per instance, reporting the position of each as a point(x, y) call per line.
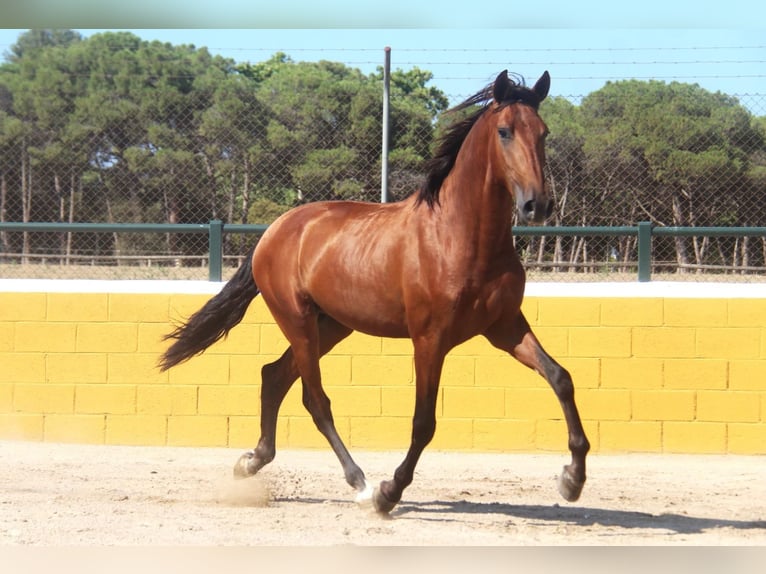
point(501, 86)
point(542, 85)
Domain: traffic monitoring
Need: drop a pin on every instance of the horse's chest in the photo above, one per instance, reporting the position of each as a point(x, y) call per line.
point(484, 301)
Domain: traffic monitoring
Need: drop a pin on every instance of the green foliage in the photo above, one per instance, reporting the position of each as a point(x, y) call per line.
point(667, 147)
point(265, 211)
point(33, 41)
point(261, 71)
point(328, 173)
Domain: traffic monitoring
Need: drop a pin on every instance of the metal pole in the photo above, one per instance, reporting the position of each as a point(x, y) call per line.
point(386, 101)
point(644, 251)
point(215, 246)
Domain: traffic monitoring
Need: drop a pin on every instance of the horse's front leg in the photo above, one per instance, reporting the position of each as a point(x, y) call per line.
point(516, 337)
point(428, 367)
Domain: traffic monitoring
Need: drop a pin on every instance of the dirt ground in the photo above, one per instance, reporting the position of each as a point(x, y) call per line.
point(54, 494)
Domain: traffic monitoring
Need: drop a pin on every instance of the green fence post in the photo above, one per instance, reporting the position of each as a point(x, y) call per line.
point(644, 251)
point(215, 246)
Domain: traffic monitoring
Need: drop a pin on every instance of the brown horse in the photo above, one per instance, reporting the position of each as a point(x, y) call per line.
point(439, 267)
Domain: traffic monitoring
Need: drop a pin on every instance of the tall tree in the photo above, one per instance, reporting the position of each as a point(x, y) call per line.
point(231, 131)
point(566, 175)
point(37, 102)
point(415, 110)
point(325, 124)
point(39, 39)
point(674, 150)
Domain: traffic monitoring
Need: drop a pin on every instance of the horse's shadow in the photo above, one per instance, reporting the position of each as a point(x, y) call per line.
point(576, 515)
point(451, 511)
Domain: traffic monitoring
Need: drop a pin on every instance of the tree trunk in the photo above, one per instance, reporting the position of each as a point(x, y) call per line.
point(560, 215)
point(110, 219)
point(26, 203)
point(172, 213)
point(558, 252)
point(682, 257)
point(625, 245)
point(246, 189)
point(697, 250)
point(541, 251)
point(745, 254)
point(62, 211)
point(232, 195)
point(574, 256)
point(3, 210)
point(70, 219)
point(721, 255)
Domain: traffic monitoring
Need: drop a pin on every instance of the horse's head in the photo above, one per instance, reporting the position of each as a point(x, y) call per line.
point(520, 139)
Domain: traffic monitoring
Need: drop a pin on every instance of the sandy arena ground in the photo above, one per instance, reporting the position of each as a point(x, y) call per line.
point(53, 494)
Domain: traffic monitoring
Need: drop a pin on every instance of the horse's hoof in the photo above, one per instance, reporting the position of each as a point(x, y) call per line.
point(381, 504)
point(569, 487)
point(244, 466)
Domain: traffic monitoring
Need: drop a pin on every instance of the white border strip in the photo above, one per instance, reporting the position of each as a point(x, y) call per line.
point(108, 286)
point(650, 289)
point(667, 289)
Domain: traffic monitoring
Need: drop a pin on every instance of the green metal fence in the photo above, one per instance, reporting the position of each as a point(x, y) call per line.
point(644, 234)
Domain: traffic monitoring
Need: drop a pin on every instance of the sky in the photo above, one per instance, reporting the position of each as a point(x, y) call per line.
point(582, 49)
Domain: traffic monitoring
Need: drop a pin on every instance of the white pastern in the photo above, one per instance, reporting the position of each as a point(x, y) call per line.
point(364, 497)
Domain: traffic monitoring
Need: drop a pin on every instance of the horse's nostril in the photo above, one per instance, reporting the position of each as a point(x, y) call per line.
point(536, 211)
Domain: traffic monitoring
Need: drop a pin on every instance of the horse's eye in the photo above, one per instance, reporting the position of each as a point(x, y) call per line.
point(504, 133)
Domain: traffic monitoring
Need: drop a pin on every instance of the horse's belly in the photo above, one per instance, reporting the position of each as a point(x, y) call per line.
point(373, 318)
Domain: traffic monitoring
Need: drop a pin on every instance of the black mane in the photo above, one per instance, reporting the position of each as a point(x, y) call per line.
point(442, 162)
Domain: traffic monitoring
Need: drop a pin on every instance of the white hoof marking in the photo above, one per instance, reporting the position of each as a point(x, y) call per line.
point(365, 496)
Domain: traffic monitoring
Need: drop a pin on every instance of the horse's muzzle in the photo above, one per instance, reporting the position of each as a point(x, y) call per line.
point(535, 212)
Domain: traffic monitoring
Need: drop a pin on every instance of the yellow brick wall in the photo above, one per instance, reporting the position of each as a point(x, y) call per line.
point(653, 374)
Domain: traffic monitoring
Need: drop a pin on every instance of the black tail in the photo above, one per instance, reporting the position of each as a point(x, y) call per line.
point(214, 320)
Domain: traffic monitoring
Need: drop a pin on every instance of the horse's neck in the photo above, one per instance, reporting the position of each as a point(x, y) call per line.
point(474, 200)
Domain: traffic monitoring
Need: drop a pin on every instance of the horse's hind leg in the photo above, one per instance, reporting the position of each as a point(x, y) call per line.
point(277, 379)
point(307, 350)
point(517, 338)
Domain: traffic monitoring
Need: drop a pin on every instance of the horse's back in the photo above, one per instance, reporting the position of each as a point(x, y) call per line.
point(344, 257)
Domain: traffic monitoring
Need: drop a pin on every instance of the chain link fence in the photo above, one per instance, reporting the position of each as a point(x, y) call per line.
point(167, 144)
